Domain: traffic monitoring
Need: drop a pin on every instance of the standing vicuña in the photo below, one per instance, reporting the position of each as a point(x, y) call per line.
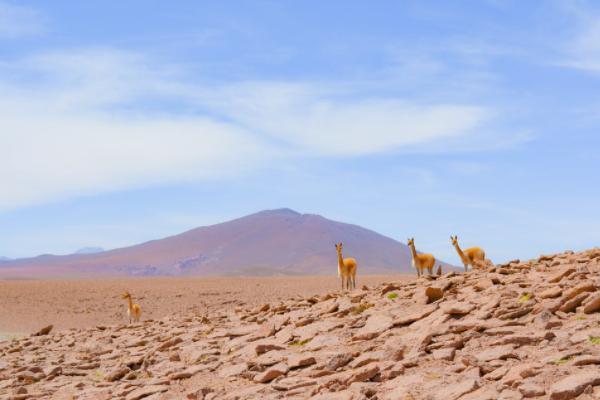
point(346, 269)
point(474, 256)
point(134, 311)
point(421, 261)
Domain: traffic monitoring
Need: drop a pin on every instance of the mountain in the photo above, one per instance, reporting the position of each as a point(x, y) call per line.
point(4, 258)
point(89, 250)
point(273, 242)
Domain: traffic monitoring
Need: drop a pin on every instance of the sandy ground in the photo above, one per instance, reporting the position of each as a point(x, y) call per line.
point(26, 306)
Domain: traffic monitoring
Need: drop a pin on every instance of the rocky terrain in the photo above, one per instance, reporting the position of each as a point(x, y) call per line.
point(518, 330)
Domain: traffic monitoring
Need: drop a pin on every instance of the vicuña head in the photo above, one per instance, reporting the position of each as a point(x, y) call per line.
point(473, 256)
point(420, 261)
point(346, 268)
point(134, 311)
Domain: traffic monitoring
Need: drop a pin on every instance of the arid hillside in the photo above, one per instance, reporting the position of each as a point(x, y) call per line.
point(276, 242)
point(513, 331)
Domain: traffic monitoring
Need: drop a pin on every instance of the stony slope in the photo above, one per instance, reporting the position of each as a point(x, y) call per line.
point(519, 330)
point(273, 242)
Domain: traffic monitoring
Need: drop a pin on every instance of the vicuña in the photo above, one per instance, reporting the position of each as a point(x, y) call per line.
point(134, 311)
point(346, 269)
point(421, 261)
point(474, 256)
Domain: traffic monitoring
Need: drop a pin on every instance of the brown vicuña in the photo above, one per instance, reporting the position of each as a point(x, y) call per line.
point(134, 311)
point(473, 256)
point(421, 261)
point(346, 269)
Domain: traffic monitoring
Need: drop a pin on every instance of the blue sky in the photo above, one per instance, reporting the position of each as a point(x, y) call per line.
point(128, 121)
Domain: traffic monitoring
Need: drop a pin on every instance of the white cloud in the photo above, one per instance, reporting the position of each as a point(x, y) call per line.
point(324, 122)
point(16, 21)
point(101, 120)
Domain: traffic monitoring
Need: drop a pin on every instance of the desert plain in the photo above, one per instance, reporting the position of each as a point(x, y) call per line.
point(28, 305)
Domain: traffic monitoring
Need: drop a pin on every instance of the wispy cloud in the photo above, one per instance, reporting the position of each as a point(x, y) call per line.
point(17, 21)
point(581, 45)
point(100, 120)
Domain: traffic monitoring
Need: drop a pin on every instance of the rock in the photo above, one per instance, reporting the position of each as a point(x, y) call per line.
point(300, 361)
point(146, 391)
point(409, 319)
point(376, 324)
point(232, 370)
point(531, 390)
point(455, 391)
point(44, 331)
point(573, 385)
point(585, 360)
point(363, 374)
point(564, 273)
point(457, 308)
point(446, 354)
point(581, 288)
point(433, 294)
point(573, 303)
point(169, 343)
point(262, 348)
point(271, 373)
point(117, 374)
point(496, 353)
point(592, 305)
point(550, 293)
point(338, 360)
point(367, 358)
point(291, 383)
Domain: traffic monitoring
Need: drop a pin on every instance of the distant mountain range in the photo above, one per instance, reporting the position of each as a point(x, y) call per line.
point(89, 250)
point(4, 258)
point(273, 242)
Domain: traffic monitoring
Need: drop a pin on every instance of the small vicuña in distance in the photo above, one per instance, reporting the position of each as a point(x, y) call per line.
point(473, 256)
point(346, 269)
point(134, 310)
point(421, 261)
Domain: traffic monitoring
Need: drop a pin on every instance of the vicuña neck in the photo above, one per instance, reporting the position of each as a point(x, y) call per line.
point(340, 259)
point(130, 302)
point(460, 253)
point(413, 251)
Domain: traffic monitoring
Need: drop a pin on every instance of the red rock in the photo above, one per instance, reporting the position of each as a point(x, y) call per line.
point(573, 303)
point(457, 308)
point(232, 370)
point(363, 374)
point(455, 391)
point(264, 347)
point(573, 385)
point(117, 374)
point(44, 331)
point(496, 353)
point(376, 324)
point(409, 319)
point(582, 287)
point(146, 391)
point(433, 294)
point(550, 293)
point(531, 390)
point(592, 305)
point(444, 354)
point(300, 361)
point(271, 373)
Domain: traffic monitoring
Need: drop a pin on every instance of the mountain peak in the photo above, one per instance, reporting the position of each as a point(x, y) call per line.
point(281, 211)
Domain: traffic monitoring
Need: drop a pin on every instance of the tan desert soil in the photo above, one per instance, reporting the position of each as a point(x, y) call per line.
point(27, 305)
point(512, 331)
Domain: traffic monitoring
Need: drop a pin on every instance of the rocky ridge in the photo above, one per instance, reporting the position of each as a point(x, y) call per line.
point(513, 331)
